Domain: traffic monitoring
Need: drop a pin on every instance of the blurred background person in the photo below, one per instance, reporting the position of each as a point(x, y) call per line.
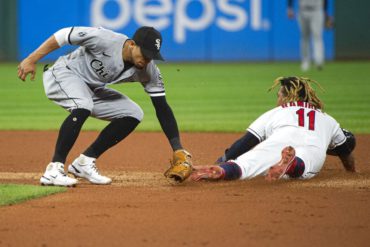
point(312, 16)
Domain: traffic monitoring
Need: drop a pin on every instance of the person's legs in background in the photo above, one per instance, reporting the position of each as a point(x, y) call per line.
point(304, 24)
point(317, 26)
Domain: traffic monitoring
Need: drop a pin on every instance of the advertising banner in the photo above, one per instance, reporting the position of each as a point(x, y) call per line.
point(192, 30)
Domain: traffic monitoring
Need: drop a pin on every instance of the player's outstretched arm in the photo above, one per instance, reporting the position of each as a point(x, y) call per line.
point(181, 164)
point(28, 65)
point(348, 162)
point(239, 147)
point(345, 151)
point(225, 171)
point(167, 121)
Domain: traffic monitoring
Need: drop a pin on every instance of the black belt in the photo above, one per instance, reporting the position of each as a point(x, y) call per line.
point(309, 8)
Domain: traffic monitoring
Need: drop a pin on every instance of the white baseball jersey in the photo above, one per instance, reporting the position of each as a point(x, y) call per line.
point(298, 124)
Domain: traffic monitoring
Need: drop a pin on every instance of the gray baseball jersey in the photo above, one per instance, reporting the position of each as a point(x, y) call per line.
point(79, 79)
point(99, 60)
point(311, 21)
point(311, 4)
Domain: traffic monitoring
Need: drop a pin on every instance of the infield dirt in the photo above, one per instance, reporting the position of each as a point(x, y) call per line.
point(141, 209)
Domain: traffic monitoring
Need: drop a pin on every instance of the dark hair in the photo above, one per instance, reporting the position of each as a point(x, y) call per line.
point(298, 89)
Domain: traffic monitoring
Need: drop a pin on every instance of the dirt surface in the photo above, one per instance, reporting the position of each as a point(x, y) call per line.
point(141, 209)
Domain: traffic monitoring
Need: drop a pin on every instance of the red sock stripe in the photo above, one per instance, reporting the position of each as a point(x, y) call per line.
point(296, 169)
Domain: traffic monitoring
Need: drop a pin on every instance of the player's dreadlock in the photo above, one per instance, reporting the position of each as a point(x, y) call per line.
point(299, 89)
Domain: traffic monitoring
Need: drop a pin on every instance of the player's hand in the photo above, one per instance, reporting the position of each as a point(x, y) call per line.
point(27, 66)
point(329, 22)
point(290, 13)
point(210, 173)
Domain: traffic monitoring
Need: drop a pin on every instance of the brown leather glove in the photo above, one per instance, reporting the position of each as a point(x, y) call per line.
point(181, 166)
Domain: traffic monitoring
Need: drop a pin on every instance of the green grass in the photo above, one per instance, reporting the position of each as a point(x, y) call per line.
point(15, 193)
point(204, 97)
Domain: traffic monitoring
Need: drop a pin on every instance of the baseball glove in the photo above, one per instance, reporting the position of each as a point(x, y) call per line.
point(181, 166)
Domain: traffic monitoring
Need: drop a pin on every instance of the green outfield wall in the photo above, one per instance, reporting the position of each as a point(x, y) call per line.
point(8, 30)
point(352, 31)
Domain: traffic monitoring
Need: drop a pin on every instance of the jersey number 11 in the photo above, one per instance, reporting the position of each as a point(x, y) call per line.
point(311, 118)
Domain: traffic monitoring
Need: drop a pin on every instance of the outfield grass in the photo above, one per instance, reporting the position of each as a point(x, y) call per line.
point(204, 97)
point(15, 193)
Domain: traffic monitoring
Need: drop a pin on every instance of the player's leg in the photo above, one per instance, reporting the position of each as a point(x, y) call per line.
point(313, 158)
point(259, 160)
point(124, 115)
point(317, 25)
point(68, 91)
point(252, 164)
point(306, 163)
point(303, 19)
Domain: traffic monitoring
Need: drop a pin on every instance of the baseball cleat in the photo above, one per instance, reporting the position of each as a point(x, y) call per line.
point(55, 175)
point(84, 167)
point(279, 169)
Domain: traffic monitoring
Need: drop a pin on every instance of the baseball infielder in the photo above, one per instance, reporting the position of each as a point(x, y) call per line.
point(288, 141)
point(78, 82)
point(311, 21)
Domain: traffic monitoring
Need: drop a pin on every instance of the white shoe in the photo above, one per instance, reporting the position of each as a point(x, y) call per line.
point(55, 175)
point(84, 167)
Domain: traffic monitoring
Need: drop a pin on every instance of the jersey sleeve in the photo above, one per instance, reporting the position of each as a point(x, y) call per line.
point(338, 137)
point(88, 37)
point(260, 128)
point(154, 86)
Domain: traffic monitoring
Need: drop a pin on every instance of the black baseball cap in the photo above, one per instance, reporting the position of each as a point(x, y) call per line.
point(150, 41)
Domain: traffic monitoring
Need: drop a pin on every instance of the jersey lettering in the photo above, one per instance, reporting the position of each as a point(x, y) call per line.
point(311, 118)
point(298, 103)
point(98, 67)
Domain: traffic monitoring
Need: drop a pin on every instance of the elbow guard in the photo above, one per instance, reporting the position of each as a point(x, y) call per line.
point(346, 148)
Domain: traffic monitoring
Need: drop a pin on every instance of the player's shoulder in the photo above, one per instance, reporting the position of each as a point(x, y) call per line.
point(329, 118)
point(276, 110)
point(149, 73)
point(109, 34)
point(270, 113)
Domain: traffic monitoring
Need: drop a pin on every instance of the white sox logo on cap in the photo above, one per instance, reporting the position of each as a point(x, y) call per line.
point(158, 44)
point(150, 41)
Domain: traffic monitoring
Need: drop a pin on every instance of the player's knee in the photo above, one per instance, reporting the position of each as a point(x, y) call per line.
point(85, 104)
point(134, 112)
point(138, 113)
point(81, 112)
point(296, 170)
